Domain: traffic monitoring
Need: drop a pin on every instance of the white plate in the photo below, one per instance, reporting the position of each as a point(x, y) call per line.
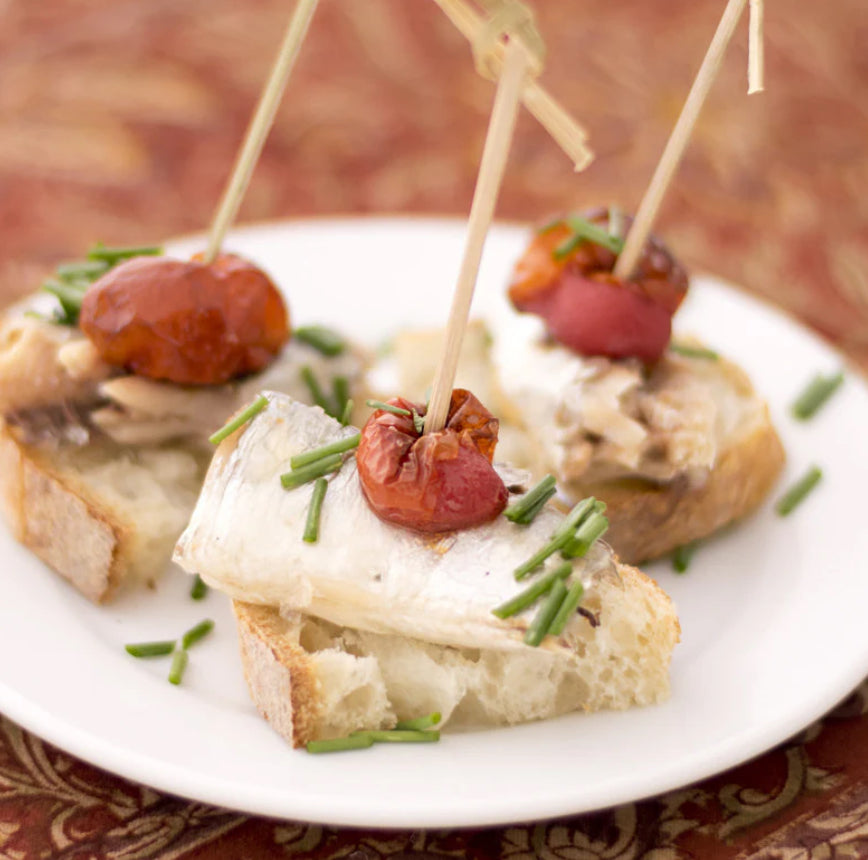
point(773, 613)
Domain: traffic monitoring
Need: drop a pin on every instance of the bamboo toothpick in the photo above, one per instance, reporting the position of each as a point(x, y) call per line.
point(259, 127)
point(566, 132)
point(491, 169)
point(677, 142)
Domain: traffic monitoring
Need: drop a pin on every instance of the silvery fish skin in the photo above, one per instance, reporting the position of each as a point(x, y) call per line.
point(245, 538)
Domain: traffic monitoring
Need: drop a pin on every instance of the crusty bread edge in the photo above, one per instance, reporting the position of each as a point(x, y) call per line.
point(649, 521)
point(60, 522)
point(280, 675)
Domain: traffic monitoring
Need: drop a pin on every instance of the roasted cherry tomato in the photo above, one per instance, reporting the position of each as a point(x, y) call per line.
point(186, 322)
point(434, 482)
point(586, 307)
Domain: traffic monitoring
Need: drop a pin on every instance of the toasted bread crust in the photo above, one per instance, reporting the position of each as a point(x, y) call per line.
point(648, 520)
point(280, 675)
point(58, 520)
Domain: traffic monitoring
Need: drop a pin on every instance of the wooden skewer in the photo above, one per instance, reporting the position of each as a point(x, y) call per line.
point(565, 131)
point(677, 142)
point(491, 169)
point(259, 127)
point(756, 59)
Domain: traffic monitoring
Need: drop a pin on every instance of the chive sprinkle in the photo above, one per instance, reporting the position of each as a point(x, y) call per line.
point(694, 351)
point(417, 724)
point(793, 497)
point(400, 736)
point(353, 742)
point(387, 407)
point(341, 394)
point(70, 297)
point(197, 633)
point(682, 555)
point(347, 413)
point(817, 392)
point(316, 392)
point(418, 422)
point(528, 506)
point(88, 270)
point(312, 471)
point(324, 340)
point(116, 255)
point(533, 592)
point(593, 528)
point(179, 663)
point(568, 606)
point(546, 614)
point(338, 447)
point(239, 420)
point(311, 527)
point(549, 226)
point(151, 649)
point(199, 589)
point(584, 230)
point(563, 534)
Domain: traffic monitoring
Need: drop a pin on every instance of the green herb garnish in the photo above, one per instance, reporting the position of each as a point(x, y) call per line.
point(85, 270)
point(353, 742)
point(311, 527)
point(239, 420)
point(693, 351)
point(151, 649)
point(70, 297)
point(341, 394)
point(818, 391)
point(682, 555)
point(322, 339)
point(533, 592)
point(417, 724)
point(542, 621)
point(339, 447)
point(400, 736)
point(593, 528)
point(528, 506)
point(387, 407)
point(312, 471)
point(179, 664)
point(568, 606)
point(585, 231)
point(199, 589)
point(563, 534)
point(113, 256)
point(794, 496)
point(347, 413)
point(317, 394)
point(197, 633)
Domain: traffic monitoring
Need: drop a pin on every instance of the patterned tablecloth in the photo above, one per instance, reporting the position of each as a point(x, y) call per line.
point(119, 121)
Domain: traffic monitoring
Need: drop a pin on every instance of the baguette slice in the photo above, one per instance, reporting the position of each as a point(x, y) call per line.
point(98, 514)
point(313, 680)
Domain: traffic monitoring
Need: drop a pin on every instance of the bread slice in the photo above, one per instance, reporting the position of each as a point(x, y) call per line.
point(98, 514)
point(312, 679)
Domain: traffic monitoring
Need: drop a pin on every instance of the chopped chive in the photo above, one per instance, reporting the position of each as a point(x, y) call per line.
point(793, 497)
point(418, 422)
point(533, 592)
point(316, 392)
point(577, 515)
point(88, 270)
point(338, 447)
point(199, 589)
point(417, 724)
point(568, 607)
point(341, 394)
point(594, 527)
point(528, 506)
point(322, 339)
point(179, 663)
point(584, 230)
point(694, 351)
point(353, 742)
point(682, 555)
point(542, 621)
point(311, 527)
point(564, 533)
point(400, 736)
point(151, 649)
point(311, 471)
point(115, 255)
point(197, 633)
point(549, 226)
point(818, 391)
point(347, 413)
point(239, 420)
point(70, 298)
point(387, 407)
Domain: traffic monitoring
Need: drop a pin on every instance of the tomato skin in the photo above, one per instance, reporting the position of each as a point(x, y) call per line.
point(435, 482)
point(589, 310)
point(186, 322)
